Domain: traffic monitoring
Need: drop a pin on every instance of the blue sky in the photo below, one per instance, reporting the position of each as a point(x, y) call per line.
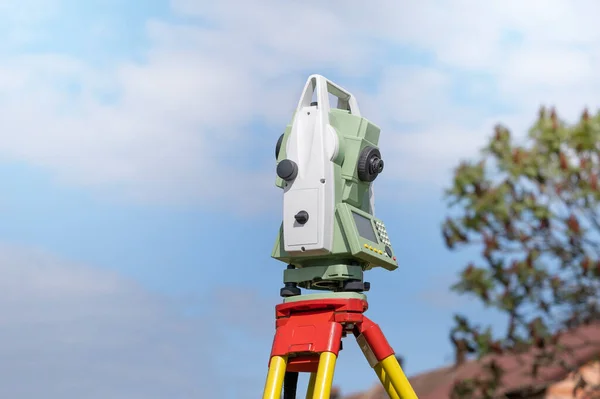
point(137, 174)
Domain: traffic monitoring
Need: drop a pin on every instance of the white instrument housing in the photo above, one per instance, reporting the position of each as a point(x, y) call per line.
point(313, 144)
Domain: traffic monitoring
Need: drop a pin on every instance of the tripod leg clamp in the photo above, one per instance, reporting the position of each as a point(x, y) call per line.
point(372, 342)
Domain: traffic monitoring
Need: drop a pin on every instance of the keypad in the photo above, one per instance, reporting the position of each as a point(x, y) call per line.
point(382, 233)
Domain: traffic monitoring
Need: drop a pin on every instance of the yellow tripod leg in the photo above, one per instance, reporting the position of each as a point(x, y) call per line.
point(394, 372)
point(386, 382)
point(274, 384)
point(324, 377)
point(311, 386)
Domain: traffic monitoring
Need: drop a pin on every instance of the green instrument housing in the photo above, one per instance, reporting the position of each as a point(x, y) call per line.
point(360, 241)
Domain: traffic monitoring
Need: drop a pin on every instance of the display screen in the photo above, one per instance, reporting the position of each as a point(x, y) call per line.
point(364, 226)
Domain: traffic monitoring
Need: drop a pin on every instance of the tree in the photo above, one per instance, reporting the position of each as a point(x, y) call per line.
point(533, 210)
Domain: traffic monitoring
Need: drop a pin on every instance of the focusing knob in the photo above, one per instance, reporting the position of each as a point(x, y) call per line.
point(301, 217)
point(287, 170)
point(376, 165)
point(370, 164)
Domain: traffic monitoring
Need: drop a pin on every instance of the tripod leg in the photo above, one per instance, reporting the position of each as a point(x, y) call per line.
point(381, 357)
point(396, 375)
point(274, 384)
point(311, 386)
point(290, 385)
point(324, 378)
point(386, 382)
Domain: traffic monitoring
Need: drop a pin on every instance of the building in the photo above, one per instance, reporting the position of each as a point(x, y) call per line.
point(551, 383)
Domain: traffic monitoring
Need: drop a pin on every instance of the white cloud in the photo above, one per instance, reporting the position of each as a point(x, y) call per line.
point(401, 99)
point(550, 61)
point(70, 331)
point(184, 113)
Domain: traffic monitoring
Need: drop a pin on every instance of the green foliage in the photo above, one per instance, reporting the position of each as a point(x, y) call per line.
point(533, 211)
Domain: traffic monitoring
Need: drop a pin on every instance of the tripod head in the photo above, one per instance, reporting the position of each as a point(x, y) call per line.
point(327, 161)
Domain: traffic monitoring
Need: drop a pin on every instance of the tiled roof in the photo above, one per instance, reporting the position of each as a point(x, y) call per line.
point(583, 342)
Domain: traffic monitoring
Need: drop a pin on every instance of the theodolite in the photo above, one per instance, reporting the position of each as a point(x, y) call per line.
point(327, 160)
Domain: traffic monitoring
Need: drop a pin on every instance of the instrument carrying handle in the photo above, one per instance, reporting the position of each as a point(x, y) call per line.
point(323, 87)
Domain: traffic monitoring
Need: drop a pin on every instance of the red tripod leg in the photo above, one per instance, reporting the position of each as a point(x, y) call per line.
point(381, 357)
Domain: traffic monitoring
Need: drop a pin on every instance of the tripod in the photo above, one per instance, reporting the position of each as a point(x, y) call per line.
point(308, 339)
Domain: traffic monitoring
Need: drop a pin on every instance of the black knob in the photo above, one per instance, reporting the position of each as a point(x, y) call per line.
point(376, 165)
point(287, 170)
point(388, 251)
point(301, 217)
point(290, 289)
point(354, 286)
point(370, 164)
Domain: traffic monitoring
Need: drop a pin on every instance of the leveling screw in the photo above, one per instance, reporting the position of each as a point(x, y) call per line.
point(290, 289)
